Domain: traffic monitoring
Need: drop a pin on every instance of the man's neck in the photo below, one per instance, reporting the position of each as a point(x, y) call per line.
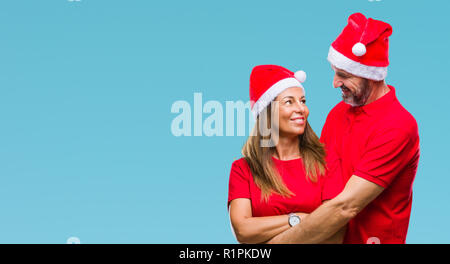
point(379, 89)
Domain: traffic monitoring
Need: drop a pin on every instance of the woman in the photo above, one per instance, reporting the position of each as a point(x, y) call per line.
point(283, 175)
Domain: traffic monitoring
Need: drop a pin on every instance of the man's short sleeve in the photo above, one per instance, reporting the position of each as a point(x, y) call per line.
point(239, 184)
point(385, 156)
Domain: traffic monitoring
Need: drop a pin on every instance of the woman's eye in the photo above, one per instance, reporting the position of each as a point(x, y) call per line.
point(304, 101)
point(288, 102)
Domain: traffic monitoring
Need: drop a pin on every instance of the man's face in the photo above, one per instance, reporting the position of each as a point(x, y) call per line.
point(355, 90)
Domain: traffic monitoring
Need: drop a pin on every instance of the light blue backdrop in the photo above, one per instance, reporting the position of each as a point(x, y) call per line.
point(86, 90)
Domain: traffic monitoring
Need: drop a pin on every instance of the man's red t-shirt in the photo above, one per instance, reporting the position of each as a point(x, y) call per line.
point(307, 194)
point(380, 143)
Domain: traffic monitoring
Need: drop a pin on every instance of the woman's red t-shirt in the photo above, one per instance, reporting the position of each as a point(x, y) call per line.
point(307, 196)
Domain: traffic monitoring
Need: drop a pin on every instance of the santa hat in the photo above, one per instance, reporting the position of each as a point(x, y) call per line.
point(362, 48)
point(268, 81)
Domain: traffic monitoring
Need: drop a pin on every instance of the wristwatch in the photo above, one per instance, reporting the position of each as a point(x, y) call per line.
point(294, 219)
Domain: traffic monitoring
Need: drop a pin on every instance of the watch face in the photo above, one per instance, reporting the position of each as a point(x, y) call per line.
point(294, 220)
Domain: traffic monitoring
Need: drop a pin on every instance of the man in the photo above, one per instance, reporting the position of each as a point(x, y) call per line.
point(376, 140)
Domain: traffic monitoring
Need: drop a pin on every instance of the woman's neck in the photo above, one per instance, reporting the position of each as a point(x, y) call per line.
point(287, 148)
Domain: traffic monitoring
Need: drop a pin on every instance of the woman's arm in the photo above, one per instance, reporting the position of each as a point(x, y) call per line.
point(253, 230)
point(337, 238)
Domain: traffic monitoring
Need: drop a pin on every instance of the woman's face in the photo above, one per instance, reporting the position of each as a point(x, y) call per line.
point(293, 111)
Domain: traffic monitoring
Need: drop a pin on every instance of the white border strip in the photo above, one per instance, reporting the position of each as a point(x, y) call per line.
point(272, 93)
point(369, 72)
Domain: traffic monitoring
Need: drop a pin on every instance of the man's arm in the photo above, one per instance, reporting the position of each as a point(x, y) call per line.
point(331, 216)
point(337, 238)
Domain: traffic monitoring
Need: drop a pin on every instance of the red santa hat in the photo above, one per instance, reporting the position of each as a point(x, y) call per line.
point(268, 81)
point(362, 48)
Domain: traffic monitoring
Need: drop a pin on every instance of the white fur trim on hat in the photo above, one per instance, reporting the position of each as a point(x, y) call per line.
point(273, 92)
point(369, 72)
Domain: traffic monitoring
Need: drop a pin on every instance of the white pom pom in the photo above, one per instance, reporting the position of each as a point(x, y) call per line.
point(359, 49)
point(300, 76)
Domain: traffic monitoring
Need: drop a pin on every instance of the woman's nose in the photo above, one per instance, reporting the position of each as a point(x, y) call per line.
point(300, 107)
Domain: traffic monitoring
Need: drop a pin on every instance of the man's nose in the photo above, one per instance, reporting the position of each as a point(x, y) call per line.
point(337, 82)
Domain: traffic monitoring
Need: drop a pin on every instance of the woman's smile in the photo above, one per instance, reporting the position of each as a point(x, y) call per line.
point(300, 120)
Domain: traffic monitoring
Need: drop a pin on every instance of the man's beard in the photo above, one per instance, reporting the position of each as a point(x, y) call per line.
point(358, 97)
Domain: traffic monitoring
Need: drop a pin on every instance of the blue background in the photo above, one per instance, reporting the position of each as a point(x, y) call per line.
point(86, 90)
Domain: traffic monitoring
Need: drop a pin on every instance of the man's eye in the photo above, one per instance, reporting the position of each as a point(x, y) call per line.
point(288, 102)
point(304, 101)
